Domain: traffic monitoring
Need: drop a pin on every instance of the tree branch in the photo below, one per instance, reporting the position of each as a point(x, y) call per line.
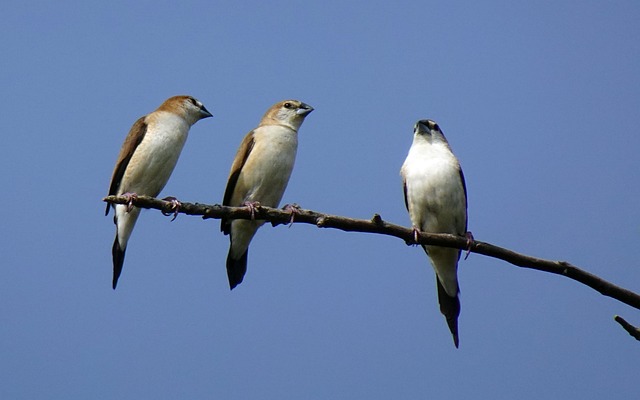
point(379, 226)
point(633, 331)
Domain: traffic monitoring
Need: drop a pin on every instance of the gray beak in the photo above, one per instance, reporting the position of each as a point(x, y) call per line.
point(421, 126)
point(204, 113)
point(304, 109)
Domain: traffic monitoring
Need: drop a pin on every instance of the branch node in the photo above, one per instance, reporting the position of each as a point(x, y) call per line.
point(210, 211)
point(377, 219)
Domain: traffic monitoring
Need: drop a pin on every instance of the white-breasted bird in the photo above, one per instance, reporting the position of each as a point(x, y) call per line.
point(146, 160)
point(259, 176)
point(436, 197)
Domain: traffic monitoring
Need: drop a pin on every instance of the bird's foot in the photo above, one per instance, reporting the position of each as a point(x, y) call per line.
point(174, 209)
point(294, 209)
point(130, 198)
point(252, 206)
point(470, 240)
point(416, 235)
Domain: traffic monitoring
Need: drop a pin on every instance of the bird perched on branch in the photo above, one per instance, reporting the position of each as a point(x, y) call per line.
point(145, 163)
point(259, 176)
point(436, 197)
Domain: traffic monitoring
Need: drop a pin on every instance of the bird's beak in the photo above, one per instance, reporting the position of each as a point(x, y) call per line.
point(421, 127)
point(204, 113)
point(304, 109)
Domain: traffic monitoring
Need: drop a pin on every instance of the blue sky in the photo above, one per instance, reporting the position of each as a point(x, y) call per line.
point(539, 101)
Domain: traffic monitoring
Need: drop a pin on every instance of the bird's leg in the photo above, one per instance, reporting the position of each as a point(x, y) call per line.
point(253, 206)
point(174, 209)
point(294, 209)
point(470, 240)
point(130, 198)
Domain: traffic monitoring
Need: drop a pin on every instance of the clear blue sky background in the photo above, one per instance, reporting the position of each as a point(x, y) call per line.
point(539, 100)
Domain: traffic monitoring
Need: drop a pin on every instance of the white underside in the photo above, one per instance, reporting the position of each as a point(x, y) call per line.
point(436, 203)
point(150, 167)
point(263, 179)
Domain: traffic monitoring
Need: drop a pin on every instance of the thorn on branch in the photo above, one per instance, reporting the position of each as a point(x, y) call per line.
point(632, 330)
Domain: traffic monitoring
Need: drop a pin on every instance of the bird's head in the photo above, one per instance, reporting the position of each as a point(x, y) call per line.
point(189, 108)
point(288, 112)
point(428, 130)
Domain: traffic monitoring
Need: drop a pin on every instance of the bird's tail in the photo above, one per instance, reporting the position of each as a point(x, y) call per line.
point(236, 268)
point(450, 308)
point(118, 261)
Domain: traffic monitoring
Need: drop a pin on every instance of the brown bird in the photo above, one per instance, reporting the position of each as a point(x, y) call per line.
point(145, 163)
point(259, 176)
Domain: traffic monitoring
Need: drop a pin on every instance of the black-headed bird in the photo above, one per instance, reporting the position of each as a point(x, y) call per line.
point(436, 197)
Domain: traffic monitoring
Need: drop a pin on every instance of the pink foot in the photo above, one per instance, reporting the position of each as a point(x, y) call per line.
point(294, 209)
point(470, 240)
point(130, 198)
point(175, 207)
point(416, 235)
point(253, 206)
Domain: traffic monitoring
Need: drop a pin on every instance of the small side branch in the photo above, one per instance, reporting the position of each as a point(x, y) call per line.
point(632, 330)
point(378, 226)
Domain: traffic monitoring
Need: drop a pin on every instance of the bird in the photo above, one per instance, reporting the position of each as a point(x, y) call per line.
point(146, 160)
point(435, 195)
point(259, 176)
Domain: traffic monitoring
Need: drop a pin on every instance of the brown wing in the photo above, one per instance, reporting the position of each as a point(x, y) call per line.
point(464, 187)
point(134, 138)
point(236, 168)
point(404, 190)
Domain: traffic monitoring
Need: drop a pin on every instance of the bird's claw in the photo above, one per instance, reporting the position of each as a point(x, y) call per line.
point(416, 235)
point(174, 209)
point(130, 198)
point(470, 240)
point(294, 209)
point(252, 206)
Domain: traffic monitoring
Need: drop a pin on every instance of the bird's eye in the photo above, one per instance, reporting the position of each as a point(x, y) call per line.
point(287, 105)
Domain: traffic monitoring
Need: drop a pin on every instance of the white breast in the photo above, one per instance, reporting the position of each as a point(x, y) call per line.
point(156, 156)
point(268, 168)
point(434, 189)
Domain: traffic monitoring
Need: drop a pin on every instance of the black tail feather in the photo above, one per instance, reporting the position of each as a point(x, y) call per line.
point(118, 261)
point(236, 269)
point(450, 308)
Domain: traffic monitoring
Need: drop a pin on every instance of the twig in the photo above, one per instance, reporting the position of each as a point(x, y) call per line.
point(633, 331)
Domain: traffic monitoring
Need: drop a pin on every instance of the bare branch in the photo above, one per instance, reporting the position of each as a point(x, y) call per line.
point(633, 331)
point(379, 226)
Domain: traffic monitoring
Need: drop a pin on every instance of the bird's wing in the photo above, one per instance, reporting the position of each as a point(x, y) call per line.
point(134, 138)
point(236, 169)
